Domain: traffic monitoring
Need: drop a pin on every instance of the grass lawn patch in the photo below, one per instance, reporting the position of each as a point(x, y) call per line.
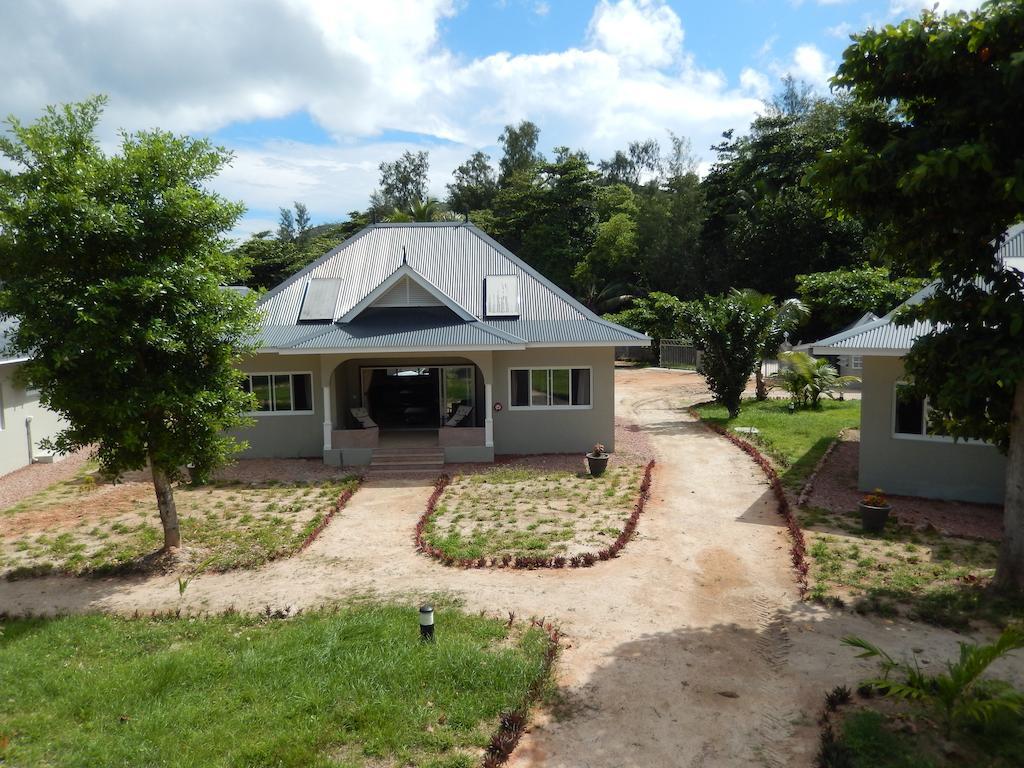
point(938, 578)
point(879, 735)
point(524, 513)
point(794, 441)
point(354, 688)
point(84, 525)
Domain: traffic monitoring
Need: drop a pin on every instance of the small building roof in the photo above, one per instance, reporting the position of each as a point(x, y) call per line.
point(445, 266)
point(884, 337)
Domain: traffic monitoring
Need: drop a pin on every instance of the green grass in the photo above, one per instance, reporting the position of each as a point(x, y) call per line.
point(528, 513)
point(222, 525)
point(354, 688)
point(939, 579)
point(870, 739)
point(794, 441)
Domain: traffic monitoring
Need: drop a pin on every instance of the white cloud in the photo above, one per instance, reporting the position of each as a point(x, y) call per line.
point(359, 69)
point(904, 8)
point(641, 32)
point(810, 64)
point(842, 30)
point(756, 83)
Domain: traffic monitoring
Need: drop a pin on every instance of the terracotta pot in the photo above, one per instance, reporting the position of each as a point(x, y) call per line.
point(873, 519)
point(597, 463)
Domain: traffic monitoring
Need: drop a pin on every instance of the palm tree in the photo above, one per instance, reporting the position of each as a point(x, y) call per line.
point(611, 298)
point(786, 316)
point(422, 210)
point(807, 378)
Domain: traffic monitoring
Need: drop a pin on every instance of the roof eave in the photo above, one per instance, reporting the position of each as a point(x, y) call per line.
point(818, 349)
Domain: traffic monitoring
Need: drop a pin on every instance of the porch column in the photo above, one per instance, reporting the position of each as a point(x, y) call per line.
point(326, 373)
point(489, 418)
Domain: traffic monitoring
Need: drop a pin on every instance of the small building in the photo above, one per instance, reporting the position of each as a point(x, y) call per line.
point(897, 451)
point(429, 339)
point(23, 421)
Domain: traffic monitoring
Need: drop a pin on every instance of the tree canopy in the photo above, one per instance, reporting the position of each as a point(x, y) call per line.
point(114, 266)
point(932, 158)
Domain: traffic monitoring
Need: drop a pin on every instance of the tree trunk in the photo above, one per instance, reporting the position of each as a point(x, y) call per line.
point(761, 390)
point(1010, 571)
point(168, 512)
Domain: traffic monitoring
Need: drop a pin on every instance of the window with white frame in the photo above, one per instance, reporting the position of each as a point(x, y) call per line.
point(910, 414)
point(856, 362)
point(281, 392)
point(550, 387)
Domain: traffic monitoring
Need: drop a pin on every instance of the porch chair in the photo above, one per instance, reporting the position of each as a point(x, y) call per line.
point(460, 413)
point(363, 417)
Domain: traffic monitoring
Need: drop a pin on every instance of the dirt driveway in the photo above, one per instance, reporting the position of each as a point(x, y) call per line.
point(690, 649)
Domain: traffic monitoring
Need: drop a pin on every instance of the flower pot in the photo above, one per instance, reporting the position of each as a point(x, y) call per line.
point(873, 519)
point(597, 463)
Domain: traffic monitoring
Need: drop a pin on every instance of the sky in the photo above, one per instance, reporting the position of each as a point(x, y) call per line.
point(312, 95)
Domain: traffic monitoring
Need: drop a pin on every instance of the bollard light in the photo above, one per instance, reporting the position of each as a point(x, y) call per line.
point(427, 623)
point(792, 407)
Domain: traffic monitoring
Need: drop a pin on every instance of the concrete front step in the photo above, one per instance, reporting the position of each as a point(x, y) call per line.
point(418, 459)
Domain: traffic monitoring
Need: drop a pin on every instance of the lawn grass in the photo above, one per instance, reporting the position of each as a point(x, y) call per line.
point(83, 525)
point(354, 688)
point(928, 575)
point(530, 513)
point(902, 738)
point(794, 441)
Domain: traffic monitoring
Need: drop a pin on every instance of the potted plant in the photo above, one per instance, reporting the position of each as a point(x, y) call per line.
point(874, 511)
point(597, 460)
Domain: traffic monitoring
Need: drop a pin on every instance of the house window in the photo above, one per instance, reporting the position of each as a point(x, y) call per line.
point(910, 415)
point(281, 392)
point(856, 362)
point(550, 387)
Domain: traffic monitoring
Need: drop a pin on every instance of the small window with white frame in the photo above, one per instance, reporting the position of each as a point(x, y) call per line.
point(555, 387)
point(856, 362)
point(911, 413)
point(281, 392)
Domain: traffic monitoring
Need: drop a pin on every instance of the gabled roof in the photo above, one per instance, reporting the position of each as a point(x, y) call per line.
point(449, 262)
point(884, 337)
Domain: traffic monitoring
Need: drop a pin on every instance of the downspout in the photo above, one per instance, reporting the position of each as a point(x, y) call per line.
point(28, 438)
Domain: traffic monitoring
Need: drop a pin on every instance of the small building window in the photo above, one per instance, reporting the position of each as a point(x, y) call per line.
point(856, 362)
point(281, 392)
point(550, 388)
point(910, 412)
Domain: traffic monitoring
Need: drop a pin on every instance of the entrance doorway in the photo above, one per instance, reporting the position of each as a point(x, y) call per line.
point(419, 397)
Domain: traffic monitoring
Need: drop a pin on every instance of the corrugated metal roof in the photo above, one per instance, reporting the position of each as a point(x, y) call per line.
point(884, 336)
point(455, 258)
point(420, 328)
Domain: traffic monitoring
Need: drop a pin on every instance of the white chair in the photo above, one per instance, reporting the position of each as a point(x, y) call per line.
point(363, 417)
point(460, 413)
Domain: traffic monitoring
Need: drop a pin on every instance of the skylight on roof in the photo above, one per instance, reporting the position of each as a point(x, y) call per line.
point(501, 296)
point(320, 301)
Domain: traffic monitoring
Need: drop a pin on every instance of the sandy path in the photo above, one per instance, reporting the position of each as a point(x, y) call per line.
point(690, 649)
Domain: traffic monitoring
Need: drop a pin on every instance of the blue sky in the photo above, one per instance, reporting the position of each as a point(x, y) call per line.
point(312, 95)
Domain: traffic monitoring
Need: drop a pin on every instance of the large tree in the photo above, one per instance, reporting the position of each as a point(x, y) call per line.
point(763, 224)
point(933, 156)
point(474, 185)
point(402, 182)
point(114, 266)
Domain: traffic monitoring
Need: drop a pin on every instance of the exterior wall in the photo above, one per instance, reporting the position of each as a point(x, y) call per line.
point(285, 435)
point(17, 405)
point(919, 467)
point(556, 431)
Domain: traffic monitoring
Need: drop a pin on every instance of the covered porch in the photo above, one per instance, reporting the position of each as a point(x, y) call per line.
point(431, 404)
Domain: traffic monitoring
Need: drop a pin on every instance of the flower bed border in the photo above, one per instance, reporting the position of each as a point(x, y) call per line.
point(583, 560)
point(512, 724)
point(798, 546)
point(339, 505)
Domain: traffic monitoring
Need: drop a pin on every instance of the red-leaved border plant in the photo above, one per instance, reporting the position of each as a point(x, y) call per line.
point(512, 724)
point(798, 547)
point(583, 560)
point(343, 499)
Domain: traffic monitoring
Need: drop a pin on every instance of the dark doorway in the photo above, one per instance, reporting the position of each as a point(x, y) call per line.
point(404, 398)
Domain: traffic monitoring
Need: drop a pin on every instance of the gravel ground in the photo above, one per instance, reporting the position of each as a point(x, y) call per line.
point(836, 489)
point(24, 482)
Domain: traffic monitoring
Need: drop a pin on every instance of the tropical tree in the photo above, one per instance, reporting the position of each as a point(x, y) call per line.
point(658, 315)
point(932, 156)
point(475, 185)
point(520, 155)
point(402, 182)
point(786, 316)
point(114, 266)
point(807, 378)
point(730, 332)
point(838, 298)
